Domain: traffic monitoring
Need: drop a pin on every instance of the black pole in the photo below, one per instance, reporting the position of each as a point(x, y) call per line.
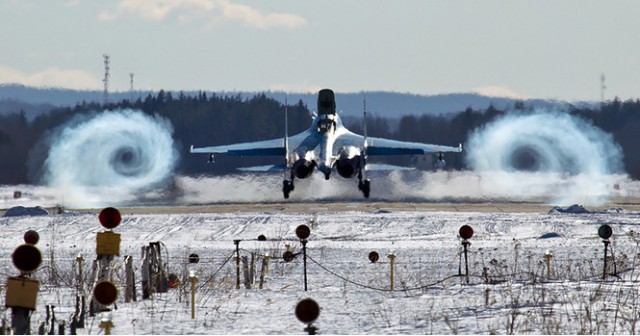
point(466, 262)
point(20, 320)
point(604, 269)
point(304, 255)
point(237, 242)
point(311, 330)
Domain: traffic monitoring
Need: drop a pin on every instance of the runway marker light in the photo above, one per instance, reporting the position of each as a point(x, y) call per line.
point(105, 293)
point(26, 258)
point(303, 232)
point(605, 231)
point(110, 218)
point(308, 311)
point(373, 256)
point(194, 258)
point(288, 256)
point(466, 232)
point(31, 237)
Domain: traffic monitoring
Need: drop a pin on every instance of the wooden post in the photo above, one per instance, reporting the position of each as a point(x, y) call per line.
point(548, 255)
point(237, 243)
point(157, 274)
point(20, 320)
point(50, 324)
point(392, 259)
point(80, 260)
point(78, 316)
point(264, 269)
point(106, 324)
point(252, 268)
point(61, 327)
point(130, 288)
point(245, 269)
point(144, 271)
point(94, 272)
point(193, 279)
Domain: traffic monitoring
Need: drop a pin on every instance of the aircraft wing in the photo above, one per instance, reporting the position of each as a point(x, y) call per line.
point(386, 167)
point(267, 168)
point(257, 148)
point(380, 146)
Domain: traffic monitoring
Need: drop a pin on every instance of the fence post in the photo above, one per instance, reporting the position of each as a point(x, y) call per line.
point(193, 279)
point(252, 268)
point(548, 255)
point(144, 270)
point(264, 269)
point(392, 259)
point(130, 288)
point(237, 243)
point(245, 270)
point(80, 260)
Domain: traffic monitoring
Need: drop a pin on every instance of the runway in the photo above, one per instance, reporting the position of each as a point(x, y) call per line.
point(631, 204)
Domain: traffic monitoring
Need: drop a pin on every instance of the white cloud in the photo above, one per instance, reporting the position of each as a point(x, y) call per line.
point(51, 77)
point(209, 12)
point(498, 91)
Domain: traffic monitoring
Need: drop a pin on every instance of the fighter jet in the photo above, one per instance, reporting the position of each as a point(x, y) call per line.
point(326, 146)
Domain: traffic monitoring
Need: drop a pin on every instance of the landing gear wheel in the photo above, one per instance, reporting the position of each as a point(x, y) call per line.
point(327, 176)
point(365, 187)
point(287, 188)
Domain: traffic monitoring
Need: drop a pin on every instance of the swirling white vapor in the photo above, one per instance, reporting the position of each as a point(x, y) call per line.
point(546, 154)
point(111, 157)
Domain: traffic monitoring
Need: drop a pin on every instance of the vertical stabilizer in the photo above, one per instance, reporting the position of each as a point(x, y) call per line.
point(286, 133)
point(364, 131)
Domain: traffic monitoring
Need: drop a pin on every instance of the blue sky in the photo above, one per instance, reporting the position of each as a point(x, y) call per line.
point(530, 49)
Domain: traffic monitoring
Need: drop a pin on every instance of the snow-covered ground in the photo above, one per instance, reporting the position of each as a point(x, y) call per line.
point(507, 292)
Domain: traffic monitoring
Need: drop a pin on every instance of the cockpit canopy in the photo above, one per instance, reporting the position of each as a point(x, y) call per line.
point(326, 111)
point(326, 102)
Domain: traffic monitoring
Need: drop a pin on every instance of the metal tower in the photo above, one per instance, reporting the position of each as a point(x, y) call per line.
point(106, 79)
point(131, 88)
point(602, 88)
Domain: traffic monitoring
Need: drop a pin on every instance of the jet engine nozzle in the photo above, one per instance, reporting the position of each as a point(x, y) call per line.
point(303, 168)
point(348, 167)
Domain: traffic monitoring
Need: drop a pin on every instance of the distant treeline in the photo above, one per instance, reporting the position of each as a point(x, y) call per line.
point(205, 120)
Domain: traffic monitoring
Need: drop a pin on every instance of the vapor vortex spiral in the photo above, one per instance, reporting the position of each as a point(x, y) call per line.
point(558, 155)
point(111, 156)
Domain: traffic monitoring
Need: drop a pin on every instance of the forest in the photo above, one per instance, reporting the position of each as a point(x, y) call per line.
point(210, 119)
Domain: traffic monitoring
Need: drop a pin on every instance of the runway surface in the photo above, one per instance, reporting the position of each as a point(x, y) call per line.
point(316, 207)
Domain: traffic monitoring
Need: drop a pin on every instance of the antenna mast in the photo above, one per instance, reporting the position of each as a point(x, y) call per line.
point(602, 89)
point(106, 79)
point(131, 88)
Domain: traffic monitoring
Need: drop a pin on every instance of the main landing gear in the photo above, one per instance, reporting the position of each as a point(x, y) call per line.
point(364, 185)
point(287, 187)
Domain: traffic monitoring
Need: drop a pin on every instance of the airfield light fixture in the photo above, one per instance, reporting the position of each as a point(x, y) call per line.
point(373, 256)
point(31, 237)
point(605, 232)
point(466, 232)
point(308, 311)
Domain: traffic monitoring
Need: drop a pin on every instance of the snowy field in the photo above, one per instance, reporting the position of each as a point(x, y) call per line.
point(508, 289)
